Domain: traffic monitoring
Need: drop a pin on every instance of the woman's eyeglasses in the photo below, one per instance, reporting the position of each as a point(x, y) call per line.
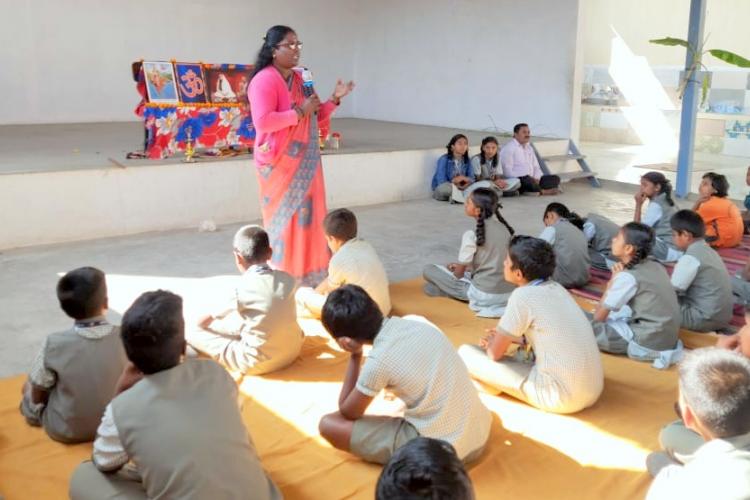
point(292, 45)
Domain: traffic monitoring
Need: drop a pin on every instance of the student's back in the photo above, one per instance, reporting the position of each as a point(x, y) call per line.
point(418, 363)
point(357, 263)
point(184, 432)
point(487, 274)
point(567, 375)
point(656, 313)
point(265, 300)
point(87, 368)
point(711, 289)
point(571, 255)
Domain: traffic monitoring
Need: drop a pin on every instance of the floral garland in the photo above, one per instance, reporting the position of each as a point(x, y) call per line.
point(194, 105)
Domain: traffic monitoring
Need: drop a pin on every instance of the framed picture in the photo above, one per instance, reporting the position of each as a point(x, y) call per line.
point(191, 83)
point(160, 82)
point(228, 83)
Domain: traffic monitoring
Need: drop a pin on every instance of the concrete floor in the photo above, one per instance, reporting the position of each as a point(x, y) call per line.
point(406, 235)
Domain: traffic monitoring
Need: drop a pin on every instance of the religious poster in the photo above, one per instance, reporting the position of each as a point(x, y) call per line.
point(160, 82)
point(191, 82)
point(228, 83)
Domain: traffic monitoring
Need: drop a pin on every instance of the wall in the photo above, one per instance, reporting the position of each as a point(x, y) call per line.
point(69, 61)
point(638, 21)
point(441, 62)
point(98, 203)
point(453, 63)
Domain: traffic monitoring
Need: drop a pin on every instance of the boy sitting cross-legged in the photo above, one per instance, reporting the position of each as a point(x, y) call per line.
point(411, 358)
point(700, 278)
point(74, 375)
point(257, 331)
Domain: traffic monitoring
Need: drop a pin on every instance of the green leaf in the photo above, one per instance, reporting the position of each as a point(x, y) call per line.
point(669, 41)
point(704, 90)
point(730, 57)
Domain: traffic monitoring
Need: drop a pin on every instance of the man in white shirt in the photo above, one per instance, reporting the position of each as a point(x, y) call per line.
point(714, 401)
point(519, 160)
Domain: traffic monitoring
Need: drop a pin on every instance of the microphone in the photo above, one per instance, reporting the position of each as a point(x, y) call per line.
point(307, 82)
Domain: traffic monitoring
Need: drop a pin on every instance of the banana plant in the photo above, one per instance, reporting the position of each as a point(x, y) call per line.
point(698, 53)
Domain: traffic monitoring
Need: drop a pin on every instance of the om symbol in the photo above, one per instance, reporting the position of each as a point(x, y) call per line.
point(191, 84)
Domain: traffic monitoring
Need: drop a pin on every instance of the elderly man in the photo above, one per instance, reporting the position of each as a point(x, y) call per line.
point(518, 160)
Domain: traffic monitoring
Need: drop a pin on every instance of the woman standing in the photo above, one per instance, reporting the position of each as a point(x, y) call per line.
point(286, 114)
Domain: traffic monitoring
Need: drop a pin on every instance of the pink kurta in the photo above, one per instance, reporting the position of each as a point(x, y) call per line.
point(290, 174)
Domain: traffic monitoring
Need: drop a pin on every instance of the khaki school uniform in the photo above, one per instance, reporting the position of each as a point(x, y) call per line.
point(704, 289)
point(484, 287)
point(644, 318)
point(80, 368)
point(572, 260)
point(257, 332)
point(182, 430)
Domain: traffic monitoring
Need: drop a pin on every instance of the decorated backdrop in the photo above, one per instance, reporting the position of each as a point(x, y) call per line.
point(210, 110)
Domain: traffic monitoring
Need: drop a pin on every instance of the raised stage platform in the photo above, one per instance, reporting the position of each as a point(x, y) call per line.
point(72, 182)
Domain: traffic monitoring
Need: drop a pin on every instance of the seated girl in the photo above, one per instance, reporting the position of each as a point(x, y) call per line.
point(658, 191)
point(453, 171)
point(638, 314)
point(477, 277)
point(564, 232)
point(724, 226)
point(557, 367)
point(486, 171)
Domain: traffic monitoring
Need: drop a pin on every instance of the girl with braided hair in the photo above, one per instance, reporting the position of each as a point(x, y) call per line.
point(657, 190)
point(564, 232)
point(638, 314)
point(477, 277)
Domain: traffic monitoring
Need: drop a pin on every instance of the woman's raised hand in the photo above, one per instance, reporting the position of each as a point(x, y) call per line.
point(342, 89)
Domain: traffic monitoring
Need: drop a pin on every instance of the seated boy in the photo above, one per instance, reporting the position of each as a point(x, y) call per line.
point(714, 400)
point(676, 439)
point(74, 375)
point(257, 331)
point(354, 262)
point(559, 368)
point(178, 423)
point(424, 468)
point(412, 359)
point(700, 277)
